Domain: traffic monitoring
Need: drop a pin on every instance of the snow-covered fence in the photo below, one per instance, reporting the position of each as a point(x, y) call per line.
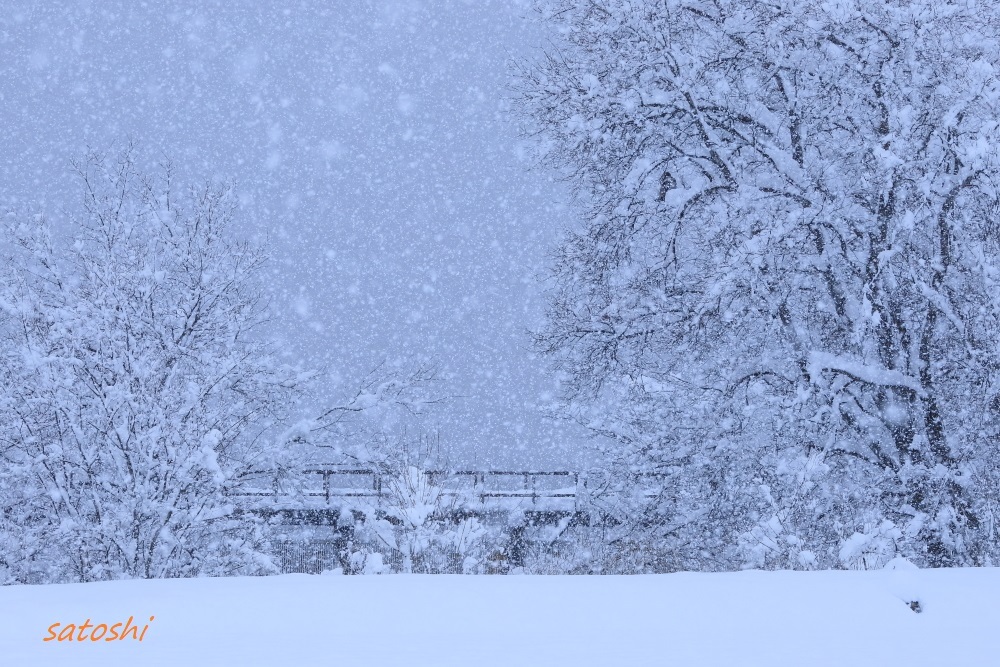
point(361, 519)
point(333, 485)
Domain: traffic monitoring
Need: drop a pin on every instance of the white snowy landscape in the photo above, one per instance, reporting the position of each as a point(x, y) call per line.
point(766, 619)
point(513, 332)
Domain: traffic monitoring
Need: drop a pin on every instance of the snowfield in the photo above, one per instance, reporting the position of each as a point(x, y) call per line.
point(744, 618)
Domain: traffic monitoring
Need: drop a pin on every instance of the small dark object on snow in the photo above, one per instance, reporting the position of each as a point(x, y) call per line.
point(915, 606)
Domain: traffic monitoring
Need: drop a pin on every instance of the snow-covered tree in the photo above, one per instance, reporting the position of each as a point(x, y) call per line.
point(784, 294)
point(135, 396)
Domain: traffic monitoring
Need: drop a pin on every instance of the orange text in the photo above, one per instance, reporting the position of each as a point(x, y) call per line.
point(102, 631)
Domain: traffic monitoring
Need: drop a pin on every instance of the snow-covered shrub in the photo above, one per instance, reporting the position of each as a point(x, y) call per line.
point(426, 526)
point(871, 549)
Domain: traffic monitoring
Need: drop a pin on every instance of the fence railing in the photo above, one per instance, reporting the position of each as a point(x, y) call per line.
point(339, 482)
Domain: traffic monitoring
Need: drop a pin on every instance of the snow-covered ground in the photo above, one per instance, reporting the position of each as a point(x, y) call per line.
point(746, 618)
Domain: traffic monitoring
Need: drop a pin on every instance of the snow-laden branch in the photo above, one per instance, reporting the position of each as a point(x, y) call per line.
point(861, 372)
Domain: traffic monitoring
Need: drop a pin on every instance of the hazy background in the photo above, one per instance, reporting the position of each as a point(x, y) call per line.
point(368, 141)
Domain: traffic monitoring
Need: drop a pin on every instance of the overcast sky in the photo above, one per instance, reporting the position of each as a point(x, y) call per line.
point(368, 141)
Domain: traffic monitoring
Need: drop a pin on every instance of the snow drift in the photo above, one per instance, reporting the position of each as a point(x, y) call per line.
point(745, 618)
